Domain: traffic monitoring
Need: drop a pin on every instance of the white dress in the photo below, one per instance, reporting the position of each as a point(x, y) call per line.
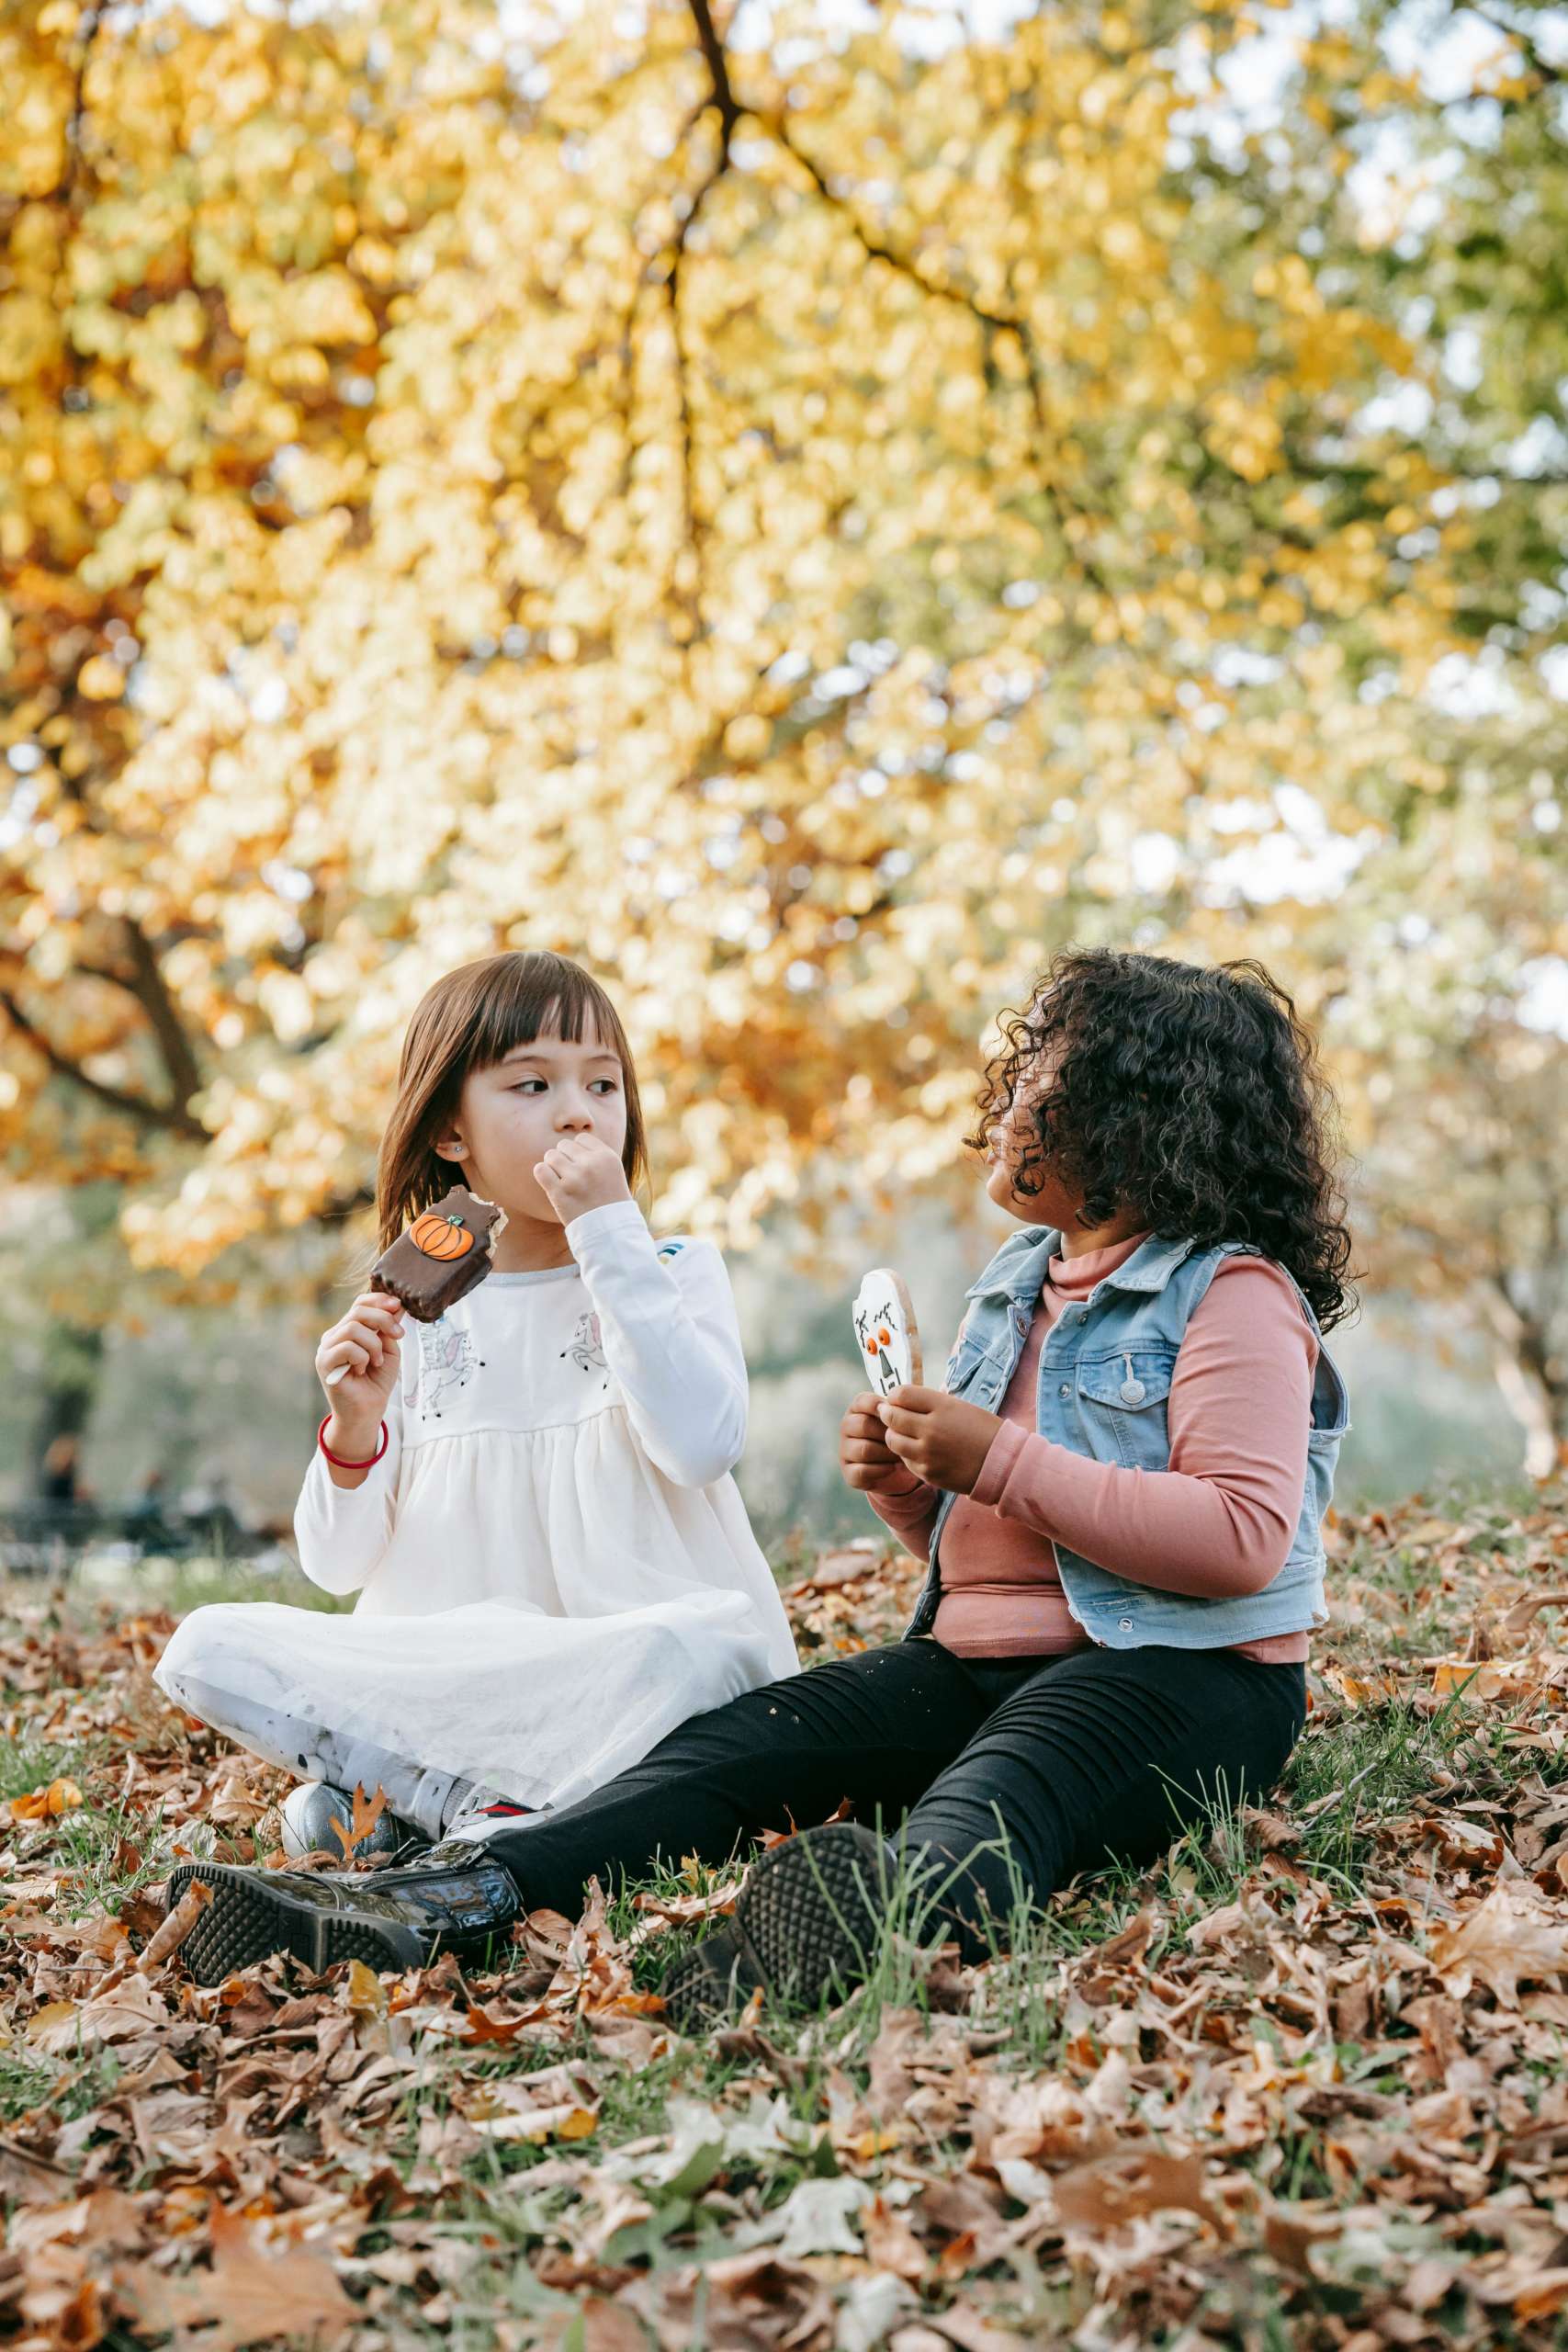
point(554, 1564)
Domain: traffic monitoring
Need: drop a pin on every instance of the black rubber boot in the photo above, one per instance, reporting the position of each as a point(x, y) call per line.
point(453, 1898)
point(806, 1924)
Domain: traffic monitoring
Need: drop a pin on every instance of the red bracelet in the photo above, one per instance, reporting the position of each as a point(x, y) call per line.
point(336, 1459)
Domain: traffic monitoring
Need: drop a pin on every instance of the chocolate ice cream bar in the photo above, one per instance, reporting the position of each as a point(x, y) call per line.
point(446, 1252)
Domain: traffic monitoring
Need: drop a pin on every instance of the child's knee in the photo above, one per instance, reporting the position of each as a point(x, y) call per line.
point(196, 1651)
point(212, 1669)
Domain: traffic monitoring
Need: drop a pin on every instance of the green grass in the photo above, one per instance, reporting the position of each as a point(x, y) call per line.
point(70, 2085)
point(26, 1765)
point(192, 1584)
point(1357, 1775)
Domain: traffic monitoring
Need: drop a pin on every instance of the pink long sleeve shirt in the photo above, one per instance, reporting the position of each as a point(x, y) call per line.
point(1218, 1521)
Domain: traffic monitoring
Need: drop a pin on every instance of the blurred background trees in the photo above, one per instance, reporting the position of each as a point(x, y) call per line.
point(807, 510)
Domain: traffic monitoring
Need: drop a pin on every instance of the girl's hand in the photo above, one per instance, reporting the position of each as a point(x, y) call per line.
point(578, 1174)
point(367, 1341)
point(864, 1455)
point(937, 1435)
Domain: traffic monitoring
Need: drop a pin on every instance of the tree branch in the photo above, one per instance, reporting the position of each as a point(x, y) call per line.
point(171, 1119)
point(145, 982)
point(1063, 505)
point(150, 992)
point(1551, 75)
point(693, 530)
point(723, 96)
point(86, 34)
point(722, 100)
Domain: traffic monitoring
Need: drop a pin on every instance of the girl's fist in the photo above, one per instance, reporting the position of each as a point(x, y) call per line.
point(869, 1464)
point(366, 1341)
point(578, 1174)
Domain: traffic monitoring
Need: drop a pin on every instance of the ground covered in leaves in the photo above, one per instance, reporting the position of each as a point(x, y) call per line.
point(1305, 2082)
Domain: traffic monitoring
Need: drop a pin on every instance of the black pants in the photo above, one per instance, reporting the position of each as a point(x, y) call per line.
point(1102, 1754)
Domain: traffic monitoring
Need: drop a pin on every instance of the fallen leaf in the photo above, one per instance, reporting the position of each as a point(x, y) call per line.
point(48, 1803)
point(890, 2243)
point(1113, 2189)
point(863, 1558)
point(131, 2009)
point(368, 1812)
point(663, 1911)
point(177, 1926)
point(43, 2023)
point(1515, 1932)
point(971, 2333)
point(366, 1993)
point(566, 2121)
point(611, 2327)
point(251, 2292)
point(1523, 1613)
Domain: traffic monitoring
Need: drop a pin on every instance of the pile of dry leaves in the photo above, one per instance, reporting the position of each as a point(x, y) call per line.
point(1305, 2082)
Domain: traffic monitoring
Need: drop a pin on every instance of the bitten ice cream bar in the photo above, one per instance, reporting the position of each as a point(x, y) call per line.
point(445, 1253)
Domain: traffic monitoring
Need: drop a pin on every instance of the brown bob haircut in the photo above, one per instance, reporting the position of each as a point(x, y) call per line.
point(471, 1020)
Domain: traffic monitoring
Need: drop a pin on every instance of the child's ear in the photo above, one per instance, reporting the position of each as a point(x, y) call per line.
point(450, 1147)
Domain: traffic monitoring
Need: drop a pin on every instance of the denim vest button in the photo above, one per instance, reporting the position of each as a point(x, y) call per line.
point(1066, 1389)
point(1130, 1392)
point(1123, 1625)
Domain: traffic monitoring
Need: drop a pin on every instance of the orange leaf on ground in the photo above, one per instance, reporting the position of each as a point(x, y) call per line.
point(48, 1803)
point(252, 2293)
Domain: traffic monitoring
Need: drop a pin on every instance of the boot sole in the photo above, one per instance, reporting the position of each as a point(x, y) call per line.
point(804, 1926)
point(253, 1914)
point(706, 1982)
point(807, 1912)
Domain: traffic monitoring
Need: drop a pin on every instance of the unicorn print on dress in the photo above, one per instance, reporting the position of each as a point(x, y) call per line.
point(585, 1347)
point(446, 1362)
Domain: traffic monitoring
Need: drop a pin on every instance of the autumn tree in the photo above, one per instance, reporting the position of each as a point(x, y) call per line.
point(1453, 1020)
point(806, 528)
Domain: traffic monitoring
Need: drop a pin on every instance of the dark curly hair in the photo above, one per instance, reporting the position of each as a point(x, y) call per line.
point(1191, 1095)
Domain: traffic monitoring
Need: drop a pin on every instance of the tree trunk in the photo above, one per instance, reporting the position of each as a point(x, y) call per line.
point(72, 1362)
point(1533, 1380)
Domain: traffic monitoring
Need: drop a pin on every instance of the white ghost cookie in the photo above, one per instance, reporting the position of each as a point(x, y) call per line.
point(885, 1327)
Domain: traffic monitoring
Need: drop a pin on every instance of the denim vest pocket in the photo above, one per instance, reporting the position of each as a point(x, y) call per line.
point(981, 1373)
point(1122, 1399)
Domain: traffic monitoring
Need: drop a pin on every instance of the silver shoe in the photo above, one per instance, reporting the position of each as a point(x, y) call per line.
point(310, 1811)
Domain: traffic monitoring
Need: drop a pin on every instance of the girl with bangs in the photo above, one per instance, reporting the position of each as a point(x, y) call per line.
point(533, 1495)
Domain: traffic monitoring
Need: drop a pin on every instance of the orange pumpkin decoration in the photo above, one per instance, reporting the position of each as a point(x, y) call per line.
point(442, 1237)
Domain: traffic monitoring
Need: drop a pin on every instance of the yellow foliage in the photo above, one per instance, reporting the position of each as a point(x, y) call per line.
point(771, 541)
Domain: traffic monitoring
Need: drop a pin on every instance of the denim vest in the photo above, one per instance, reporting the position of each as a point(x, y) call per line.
point(1105, 1371)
